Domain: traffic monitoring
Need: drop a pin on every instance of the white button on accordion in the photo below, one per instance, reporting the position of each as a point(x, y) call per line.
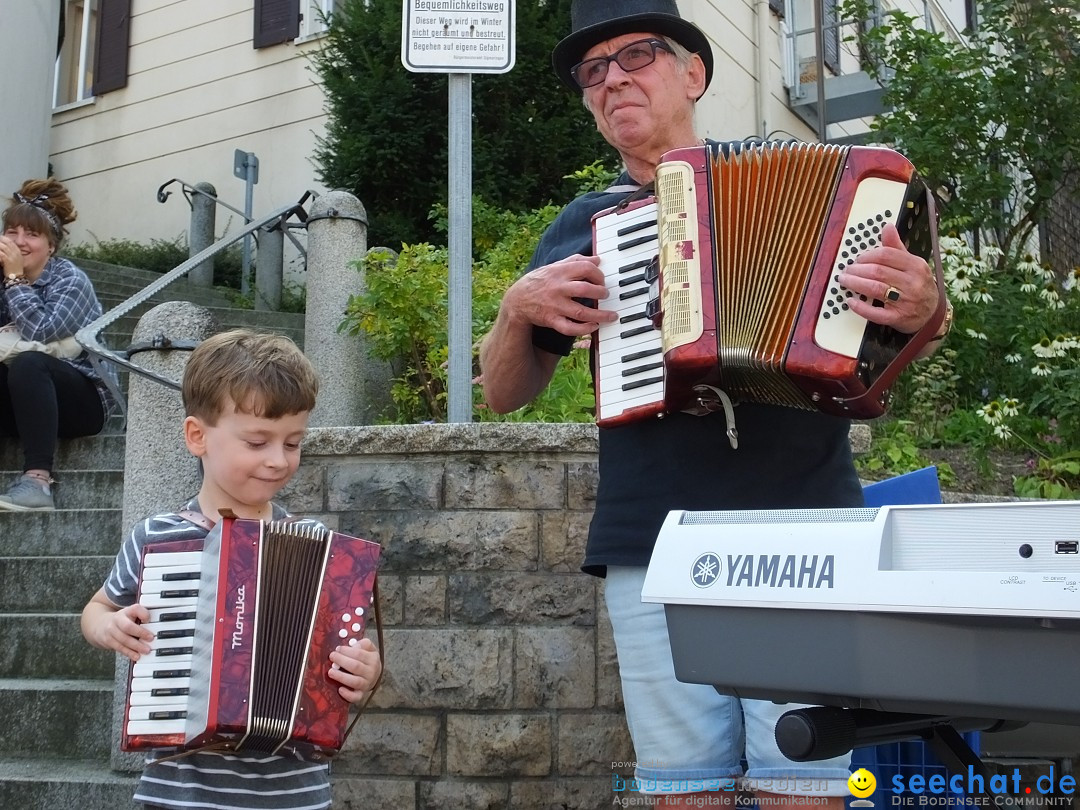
point(244, 624)
point(743, 294)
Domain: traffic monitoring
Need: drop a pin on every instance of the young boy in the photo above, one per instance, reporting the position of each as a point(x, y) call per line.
point(247, 398)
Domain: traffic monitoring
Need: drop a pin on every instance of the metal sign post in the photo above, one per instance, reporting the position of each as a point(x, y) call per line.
point(246, 167)
point(459, 37)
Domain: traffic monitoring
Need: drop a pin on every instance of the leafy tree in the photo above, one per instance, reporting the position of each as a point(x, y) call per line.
point(993, 120)
point(387, 134)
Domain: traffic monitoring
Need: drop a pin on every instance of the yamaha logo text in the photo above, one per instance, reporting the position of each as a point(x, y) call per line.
point(764, 570)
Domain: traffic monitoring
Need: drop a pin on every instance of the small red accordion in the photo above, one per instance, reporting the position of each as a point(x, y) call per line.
point(244, 624)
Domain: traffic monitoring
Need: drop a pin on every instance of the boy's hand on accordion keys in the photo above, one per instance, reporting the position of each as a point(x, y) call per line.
point(552, 296)
point(356, 668)
point(890, 266)
point(124, 633)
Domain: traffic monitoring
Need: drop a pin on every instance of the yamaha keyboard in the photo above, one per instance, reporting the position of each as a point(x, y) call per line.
point(968, 610)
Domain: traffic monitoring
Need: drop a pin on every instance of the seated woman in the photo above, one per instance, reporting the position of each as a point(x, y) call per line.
point(46, 299)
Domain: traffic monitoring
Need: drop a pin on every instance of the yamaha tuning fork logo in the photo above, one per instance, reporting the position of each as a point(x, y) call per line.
point(706, 569)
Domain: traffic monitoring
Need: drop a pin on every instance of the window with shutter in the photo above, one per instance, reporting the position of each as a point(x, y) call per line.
point(315, 17)
point(276, 21)
point(75, 59)
point(111, 61)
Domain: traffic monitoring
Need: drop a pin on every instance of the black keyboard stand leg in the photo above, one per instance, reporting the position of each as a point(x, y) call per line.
point(958, 758)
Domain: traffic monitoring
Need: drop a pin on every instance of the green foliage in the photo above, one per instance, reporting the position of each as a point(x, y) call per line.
point(991, 120)
point(403, 311)
point(159, 256)
point(387, 129)
point(895, 450)
point(927, 394)
point(1053, 478)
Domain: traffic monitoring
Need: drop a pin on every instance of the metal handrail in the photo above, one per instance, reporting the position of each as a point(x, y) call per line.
point(190, 189)
point(89, 336)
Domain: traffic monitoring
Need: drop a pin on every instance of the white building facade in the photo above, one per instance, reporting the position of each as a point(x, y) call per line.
point(151, 90)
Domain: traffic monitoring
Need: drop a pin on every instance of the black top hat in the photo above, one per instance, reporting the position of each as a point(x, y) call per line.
point(593, 21)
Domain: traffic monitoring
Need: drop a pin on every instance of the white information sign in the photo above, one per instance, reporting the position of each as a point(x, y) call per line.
point(457, 36)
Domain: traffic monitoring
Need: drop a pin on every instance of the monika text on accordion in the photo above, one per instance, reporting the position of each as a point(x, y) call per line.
point(726, 281)
point(244, 623)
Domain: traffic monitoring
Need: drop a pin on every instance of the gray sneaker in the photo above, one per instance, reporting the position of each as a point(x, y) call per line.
point(26, 495)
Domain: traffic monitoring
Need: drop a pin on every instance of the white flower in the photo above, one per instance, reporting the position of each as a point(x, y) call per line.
point(982, 296)
point(991, 413)
point(1010, 406)
point(1044, 348)
point(954, 245)
point(1059, 346)
point(1003, 431)
point(1029, 286)
point(1028, 265)
point(971, 333)
point(992, 253)
point(961, 278)
point(1013, 358)
point(1049, 293)
point(1042, 369)
point(959, 295)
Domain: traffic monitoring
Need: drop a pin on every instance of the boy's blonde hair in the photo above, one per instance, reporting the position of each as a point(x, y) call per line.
point(264, 375)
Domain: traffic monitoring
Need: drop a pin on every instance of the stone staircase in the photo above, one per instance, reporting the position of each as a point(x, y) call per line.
point(55, 690)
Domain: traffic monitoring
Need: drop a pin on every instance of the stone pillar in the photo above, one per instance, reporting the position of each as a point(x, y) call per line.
point(29, 52)
point(354, 388)
point(159, 473)
point(201, 232)
point(268, 269)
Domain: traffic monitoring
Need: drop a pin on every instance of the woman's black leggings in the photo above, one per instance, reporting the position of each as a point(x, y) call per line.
point(42, 399)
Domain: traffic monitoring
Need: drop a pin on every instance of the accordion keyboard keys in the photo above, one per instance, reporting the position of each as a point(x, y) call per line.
point(160, 679)
point(629, 359)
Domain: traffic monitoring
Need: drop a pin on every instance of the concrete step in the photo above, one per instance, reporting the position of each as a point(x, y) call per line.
point(51, 584)
point(80, 489)
point(49, 645)
point(102, 452)
point(46, 783)
point(67, 719)
point(60, 533)
point(175, 292)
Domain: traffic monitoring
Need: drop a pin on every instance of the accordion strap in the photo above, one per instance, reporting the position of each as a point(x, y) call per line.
point(198, 518)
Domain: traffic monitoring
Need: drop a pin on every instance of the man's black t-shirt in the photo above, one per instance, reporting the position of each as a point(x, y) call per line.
point(787, 458)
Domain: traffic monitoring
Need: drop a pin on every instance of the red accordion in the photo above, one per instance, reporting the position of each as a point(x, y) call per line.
point(244, 624)
point(726, 281)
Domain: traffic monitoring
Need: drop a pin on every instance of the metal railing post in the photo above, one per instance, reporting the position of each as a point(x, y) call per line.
point(269, 259)
point(201, 232)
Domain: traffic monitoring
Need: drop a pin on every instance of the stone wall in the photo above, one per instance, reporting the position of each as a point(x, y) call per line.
point(501, 685)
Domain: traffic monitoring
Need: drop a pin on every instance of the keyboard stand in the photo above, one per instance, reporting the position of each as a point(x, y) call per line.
point(822, 732)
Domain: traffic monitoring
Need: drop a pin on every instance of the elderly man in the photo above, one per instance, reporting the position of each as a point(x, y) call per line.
point(641, 68)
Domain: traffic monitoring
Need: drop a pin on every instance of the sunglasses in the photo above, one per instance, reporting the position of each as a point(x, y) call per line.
point(630, 57)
